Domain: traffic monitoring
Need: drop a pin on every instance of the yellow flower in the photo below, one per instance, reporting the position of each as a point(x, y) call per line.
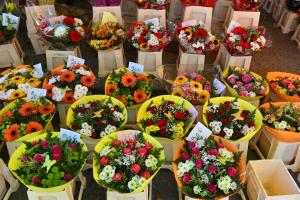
point(154, 128)
point(203, 96)
point(156, 103)
point(282, 90)
point(180, 80)
point(217, 43)
point(16, 94)
point(177, 92)
point(148, 116)
point(34, 82)
point(144, 46)
point(180, 130)
point(196, 85)
point(188, 32)
point(17, 80)
point(147, 130)
point(180, 124)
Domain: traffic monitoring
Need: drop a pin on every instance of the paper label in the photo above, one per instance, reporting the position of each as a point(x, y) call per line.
point(73, 60)
point(36, 93)
point(192, 22)
point(10, 19)
point(66, 134)
point(135, 68)
point(127, 135)
point(54, 20)
point(220, 87)
point(199, 131)
point(38, 67)
point(232, 25)
point(154, 21)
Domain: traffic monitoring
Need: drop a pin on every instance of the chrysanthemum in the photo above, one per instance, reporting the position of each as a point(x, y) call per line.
point(88, 81)
point(16, 94)
point(69, 98)
point(110, 89)
point(18, 80)
point(67, 76)
point(47, 110)
point(128, 80)
point(27, 109)
point(180, 80)
point(11, 133)
point(139, 96)
point(32, 127)
point(34, 82)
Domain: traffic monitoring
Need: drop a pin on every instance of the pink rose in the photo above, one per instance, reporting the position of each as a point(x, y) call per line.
point(72, 146)
point(56, 156)
point(246, 78)
point(38, 158)
point(243, 94)
point(199, 79)
point(248, 87)
point(186, 178)
point(185, 156)
point(142, 152)
point(212, 169)
point(34, 143)
point(262, 92)
point(239, 83)
point(212, 188)
point(291, 87)
point(213, 152)
point(220, 145)
point(199, 164)
point(231, 171)
point(231, 79)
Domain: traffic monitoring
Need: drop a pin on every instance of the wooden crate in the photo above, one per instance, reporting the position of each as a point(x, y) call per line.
point(221, 9)
point(268, 6)
point(279, 6)
point(145, 195)
point(6, 176)
point(189, 59)
point(144, 14)
point(296, 36)
point(109, 60)
point(115, 10)
point(199, 13)
point(38, 44)
point(150, 60)
point(62, 109)
point(225, 59)
point(59, 57)
point(175, 11)
point(288, 21)
point(11, 54)
point(245, 18)
point(270, 180)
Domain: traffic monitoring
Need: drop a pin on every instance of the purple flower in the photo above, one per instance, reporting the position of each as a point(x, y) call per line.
point(246, 78)
point(199, 78)
point(181, 74)
point(239, 83)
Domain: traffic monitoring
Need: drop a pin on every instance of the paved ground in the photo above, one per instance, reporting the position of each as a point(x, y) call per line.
point(283, 55)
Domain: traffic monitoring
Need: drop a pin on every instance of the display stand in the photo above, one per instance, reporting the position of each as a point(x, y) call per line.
point(296, 36)
point(279, 6)
point(62, 111)
point(115, 10)
point(59, 57)
point(150, 60)
point(6, 176)
point(221, 9)
point(225, 59)
point(145, 195)
point(268, 146)
point(189, 59)
point(11, 54)
point(268, 6)
point(288, 21)
point(270, 180)
point(175, 11)
point(245, 18)
point(144, 14)
point(199, 13)
point(109, 60)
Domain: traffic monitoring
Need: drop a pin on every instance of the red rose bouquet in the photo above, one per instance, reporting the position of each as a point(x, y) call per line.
point(247, 5)
point(152, 4)
point(149, 37)
point(206, 3)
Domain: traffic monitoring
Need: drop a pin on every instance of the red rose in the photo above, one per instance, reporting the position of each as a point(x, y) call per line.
point(68, 176)
point(56, 156)
point(117, 177)
point(135, 168)
point(1, 35)
point(185, 156)
point(227, 105)
point(231, 171)
point(220, 145)
point(55, 149)
point(195, 150)
point(179, 115)
point(162, 123)
point(212, 188)
point(199, 164)
point(212, 169)
point(163, 132)
point(159, 35)
point(36, 180)
point(69, 21)
point(44, 144)
point(187, 178)
point(149, 123)
point(116, 143)
point(38, 158)
point(75, 36)
point(145, 174)
point(202, 33)
point(213, 152)
point(100, 123)
point(222, 133)
point(148, 146)
point(112, 123)
point(191, 145)
point(126, 151)
point(210, 117)
point(141, 39)
point(221, 111)
point(131, 143)
point(94, 135)
point(224, 121)
point(142, 152)
point(93, 104)
point(251, 123)
point(73, 146)
point(103, 161)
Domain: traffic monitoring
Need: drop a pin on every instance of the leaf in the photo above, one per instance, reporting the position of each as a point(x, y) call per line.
point(48, 163)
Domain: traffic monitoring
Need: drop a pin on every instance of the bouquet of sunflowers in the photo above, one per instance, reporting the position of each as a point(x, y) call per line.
point(8, 30)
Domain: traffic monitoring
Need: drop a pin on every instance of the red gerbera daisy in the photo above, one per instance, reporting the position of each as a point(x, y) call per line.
point(75, 36)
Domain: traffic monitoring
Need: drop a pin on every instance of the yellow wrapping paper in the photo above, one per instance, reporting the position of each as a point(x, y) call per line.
point(87, 99)
point(243, 105)
point(48, 126)
point(187, 105)
point(107, 139)
point(15, 163)
point(233, 93)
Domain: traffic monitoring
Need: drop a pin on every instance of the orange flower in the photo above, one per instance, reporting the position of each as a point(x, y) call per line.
point(88, 81)
point(11, 133)
point(49, 90)
point(75, 67)
point(57, 71)
point(47, 110)
point(139, 96)
point(128, 80)
point(33, 127)
point(8, 114)
point(67, 76)
point(110, 89)
point(27, 109)
point(142, 77)
point(122, 99)
point(69, 98)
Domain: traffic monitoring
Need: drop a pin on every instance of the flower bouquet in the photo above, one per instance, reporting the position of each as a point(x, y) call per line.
point(209, 168)
point(69, 84)
point(168, 117)
point(127, 161)
point(152, 4)
point(245, 41)
point(282, 119)
point(285, 86)
point(149, 37)
point(196, 39)
point(193, 87)
point(232, 118)
point(16, 82)
point(7, 32)
point(96, 116)
point(245, 84)
point(23, 119)
point(105, 2)
point(247, 5)
point(205, 3)
point(130, 88)
point(46, 163)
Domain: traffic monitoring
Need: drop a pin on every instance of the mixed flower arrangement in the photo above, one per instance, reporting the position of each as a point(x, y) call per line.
point(245, 84)
point(196, 39)
point(24, 117)
point(247, 5)
point(7, 32)
point(206, 3)
point(107, 35)
point(127, 161)
point(149, 37)
point(166, 116)
point(130, 88)
point(97, 116)
point(245, 41)
point(16, 82)
point(62, 32)
point(208, 168)
point(192, 86)
point(46, 161)
point(152, 4)
point(69, 84)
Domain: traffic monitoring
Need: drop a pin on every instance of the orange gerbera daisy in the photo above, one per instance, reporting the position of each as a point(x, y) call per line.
point(142, 77)
point(67, 76)
point(139, 96)
point(11, 133)
point(47, 110)
point(110, 89)
point(69, 98)
point(8, 114)
point(49, 90)
point(27, 109)
point(122, 99)
point(32, 127)
point(88, 81)
point(128, 80)
point(75, 67)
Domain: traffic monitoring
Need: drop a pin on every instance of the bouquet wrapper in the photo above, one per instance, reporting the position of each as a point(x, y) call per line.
point(87, 99)
point(15, 163)
point(233, 93)
point(107, 139)
point(285, 136)
point(283, 97)
point(187, 105)
point(48, 126)
point(243, 105)
point(231, 147)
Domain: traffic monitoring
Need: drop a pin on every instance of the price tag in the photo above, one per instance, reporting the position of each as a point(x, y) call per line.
point(73, 60)
point(38, 67)
point(127, 135)
point(199, 134)
point(36, 93)
point(10, 19)
point(154, 21)
point(66, 134)
point(192, 22)
point(232, 25)
point(3, 78)
point(135, 67)
point(220, 87)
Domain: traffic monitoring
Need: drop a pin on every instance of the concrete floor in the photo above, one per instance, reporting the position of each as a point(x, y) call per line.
point(283, 56)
